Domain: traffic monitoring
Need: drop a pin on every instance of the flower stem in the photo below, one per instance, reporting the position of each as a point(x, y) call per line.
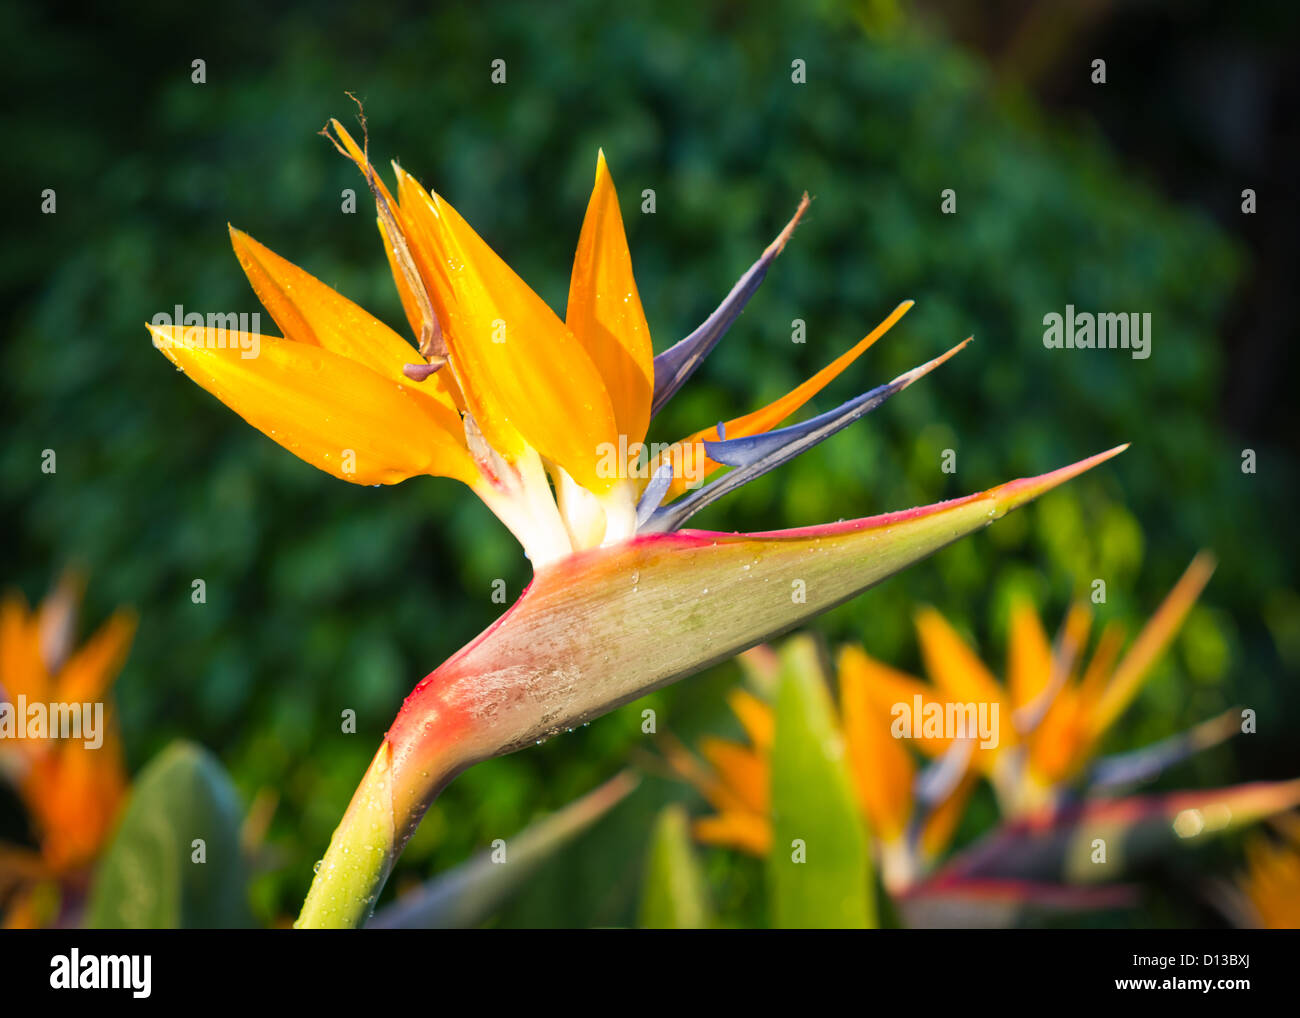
point(402, 781)
point(352, 873)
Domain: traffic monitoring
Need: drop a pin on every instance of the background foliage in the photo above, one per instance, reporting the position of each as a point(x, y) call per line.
point(323, 597)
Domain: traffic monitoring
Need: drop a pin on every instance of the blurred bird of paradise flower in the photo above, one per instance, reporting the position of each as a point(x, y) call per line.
point(911, 824)
point(1055, 705)
point(1268, 890)
point(1058, 707)
point(72, 792)
point(545, 420)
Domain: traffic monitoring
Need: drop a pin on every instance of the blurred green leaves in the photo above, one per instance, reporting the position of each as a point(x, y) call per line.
point(674, 896)
point(819, 869)
point(324, 597)
point(175, 861)
point(469, 894)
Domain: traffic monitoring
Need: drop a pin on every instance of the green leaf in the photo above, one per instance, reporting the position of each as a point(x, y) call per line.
point(150, 877)
point(469, 894)
point(819, 869)
point(674, 896)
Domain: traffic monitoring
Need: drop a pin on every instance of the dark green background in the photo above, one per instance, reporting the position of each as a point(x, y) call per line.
point(322, 596)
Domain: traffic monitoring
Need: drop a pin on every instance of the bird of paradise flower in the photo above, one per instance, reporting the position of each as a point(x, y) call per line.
point(72, 792)
point(523, 408)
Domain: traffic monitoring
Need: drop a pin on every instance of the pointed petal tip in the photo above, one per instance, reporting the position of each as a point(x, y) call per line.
point(921, 370)
point(1205, 562)
point(778, 245)
point(1014, 494)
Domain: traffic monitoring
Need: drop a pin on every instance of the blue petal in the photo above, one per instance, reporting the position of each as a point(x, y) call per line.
point(676, 364)
point(1140, 765)
point(755, 455)
point(654, 493)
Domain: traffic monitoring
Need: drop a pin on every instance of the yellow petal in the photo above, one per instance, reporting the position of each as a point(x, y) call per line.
point(328, 410)
point(889, 687)
point(704, 779)
point(1029, 654)
point(524, 376)
point(745, 773)
point(1152, 642)
point(22, 667)
point(1058, 746)
point(604, 310)
point(308, 311)
point(756, 717)
point(939, 827)
point(746, 832)
point(401, 260)
point(882, 770)
point(91, 670)
point(1102, 664)
point(411, 304)
point(952, 664)
point(73, 794)
point(690, 450)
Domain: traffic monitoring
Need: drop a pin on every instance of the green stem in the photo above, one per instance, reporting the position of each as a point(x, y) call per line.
point(361, 853)
point(402, 781)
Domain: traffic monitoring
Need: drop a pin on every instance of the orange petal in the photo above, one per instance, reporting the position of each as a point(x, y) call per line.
point(1152, 642)
point(939, 827)
point(411, 304)
point(22, 669)
point(889, 687)
point(691, 448)
point(308, 311)
point(92, 669)
point(1029, 655)
point(524, 376)
point(745, 773)
point(953, 666)
point(882, 770)
point(1057, 747)
point(1102, 663)
point(704, 779)
point(322, 406)
point(756, 717)
point(604, 310)
point(397, 245)
point(73, 794)
point(746, 832)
